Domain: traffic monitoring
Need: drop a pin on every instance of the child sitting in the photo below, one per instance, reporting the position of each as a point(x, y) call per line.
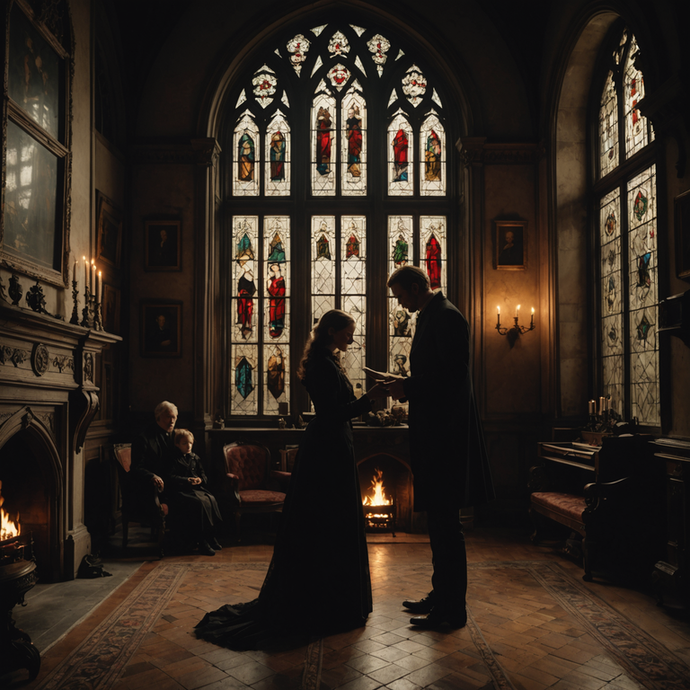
point(192, 506)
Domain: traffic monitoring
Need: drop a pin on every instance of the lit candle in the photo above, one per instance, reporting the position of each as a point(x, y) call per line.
point(531, 322)
point(590, 406)
point(86, 273)
point(498, 318)
point(93, 277)
point(517, 311)
point(99, 291)
point(602, 404)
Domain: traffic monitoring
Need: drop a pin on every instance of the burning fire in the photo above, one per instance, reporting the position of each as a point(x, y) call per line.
point(9, 529)
point(379, 498)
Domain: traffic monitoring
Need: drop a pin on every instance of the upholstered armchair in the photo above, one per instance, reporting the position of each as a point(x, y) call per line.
point(249, 484)
point(140, 503)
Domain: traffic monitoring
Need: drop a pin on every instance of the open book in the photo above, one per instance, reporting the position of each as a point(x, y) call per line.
point(379, 375)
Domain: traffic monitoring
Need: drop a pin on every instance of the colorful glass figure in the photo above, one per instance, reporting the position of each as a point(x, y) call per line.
point(323, 139)
point(277, 156)
point(246, 289)
point(640, 207)
point(275, 373)
point(643, 326)
point(400, 149)
point(265, 86)
point(432, 166)
point(323, 250)
point(611, 224)
point(243, 378)
point(354, 141)
point(352, 247)
point(644, 279)
point(400, 368)
point(433, 262)
point(400, 251)
point(414, 85)
point(339, 76)
point(246, 157)
point(245, 251)
point(275, 286)
point(277, 253)
point(401, 323)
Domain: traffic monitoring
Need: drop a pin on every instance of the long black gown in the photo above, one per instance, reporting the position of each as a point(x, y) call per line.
point(318, 580)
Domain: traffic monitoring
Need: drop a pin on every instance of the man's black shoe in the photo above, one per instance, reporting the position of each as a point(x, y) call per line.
point(205, 549)
point(440, 620)
point(422, 606)
point(215, 545)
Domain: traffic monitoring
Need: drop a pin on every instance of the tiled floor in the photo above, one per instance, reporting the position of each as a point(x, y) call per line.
point(535, 640)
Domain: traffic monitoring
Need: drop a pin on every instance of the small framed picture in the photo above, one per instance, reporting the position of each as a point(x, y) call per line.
point(510, 245)
point(161, 329)
point(162, 239)
point(682, 222)
point(111, 309)
point(109, 231)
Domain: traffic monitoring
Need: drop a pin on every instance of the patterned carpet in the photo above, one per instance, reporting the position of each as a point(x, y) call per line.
point(100, 660)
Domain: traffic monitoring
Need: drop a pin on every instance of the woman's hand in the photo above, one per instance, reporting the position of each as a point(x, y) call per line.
point(194, 480)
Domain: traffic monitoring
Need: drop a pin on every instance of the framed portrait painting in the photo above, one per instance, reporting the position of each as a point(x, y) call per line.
point(682, 222)
point(161, 329)
point(108, 230)
point(162, 239)
point(510, 245)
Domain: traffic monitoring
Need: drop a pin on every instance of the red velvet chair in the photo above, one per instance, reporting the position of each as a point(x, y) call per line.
point(145, 509)
point(249, 484)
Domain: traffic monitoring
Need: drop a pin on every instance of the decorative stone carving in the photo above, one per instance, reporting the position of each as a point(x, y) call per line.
point(40, 359)
point(19, 356)
point(61, 362)
point(88, 366)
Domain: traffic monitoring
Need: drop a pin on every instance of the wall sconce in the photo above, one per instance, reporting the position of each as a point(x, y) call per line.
point(516, 330)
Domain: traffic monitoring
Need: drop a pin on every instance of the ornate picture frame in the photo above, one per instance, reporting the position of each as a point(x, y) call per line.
point(161, 328)
point(681, 214)
point(108, 231)
point(162, 240)
point(510, 245)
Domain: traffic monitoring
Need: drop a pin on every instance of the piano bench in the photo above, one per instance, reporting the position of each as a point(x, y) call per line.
point(564, 508)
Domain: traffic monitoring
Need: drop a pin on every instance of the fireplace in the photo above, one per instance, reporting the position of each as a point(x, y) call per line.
point(48, 399)
point(386, 486)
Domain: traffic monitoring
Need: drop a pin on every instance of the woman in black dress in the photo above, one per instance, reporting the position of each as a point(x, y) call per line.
point(318, 580)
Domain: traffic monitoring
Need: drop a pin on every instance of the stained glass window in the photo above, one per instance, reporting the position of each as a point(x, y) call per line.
point(304, 186)
point(401, 322)
point(628, 292)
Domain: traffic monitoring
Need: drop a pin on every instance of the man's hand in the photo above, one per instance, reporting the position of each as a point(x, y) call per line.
point(194, 480)
point(396, 387)
point(157, 482)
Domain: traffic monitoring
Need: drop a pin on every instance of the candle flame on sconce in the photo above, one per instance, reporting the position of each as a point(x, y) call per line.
point(516, 330)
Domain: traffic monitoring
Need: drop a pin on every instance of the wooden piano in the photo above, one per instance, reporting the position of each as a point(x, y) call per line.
point(603, 487)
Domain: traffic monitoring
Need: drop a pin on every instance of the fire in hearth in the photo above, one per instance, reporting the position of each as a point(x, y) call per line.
point(379, 509)
point(9, 529)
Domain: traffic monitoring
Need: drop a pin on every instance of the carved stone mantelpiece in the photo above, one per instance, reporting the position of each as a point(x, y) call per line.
point(48, 399)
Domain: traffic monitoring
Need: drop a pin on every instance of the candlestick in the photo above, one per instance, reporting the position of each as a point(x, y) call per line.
point(93, 277)
point(602, 404)
point(86, 273)
point(74, 273)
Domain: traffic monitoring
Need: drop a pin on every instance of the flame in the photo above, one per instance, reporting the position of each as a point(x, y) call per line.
point(379, 497)
point(9, 529)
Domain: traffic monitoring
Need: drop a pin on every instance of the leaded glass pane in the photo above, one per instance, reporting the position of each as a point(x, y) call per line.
point(277, 158)
point(264, 86)
point(244, 374)
point(298, 47)
point(612, 335)
point(608, 127)
point(401, 252)
point(323, 112)
point(338, 45)
point(276, 272)
point(244, 293)
point(379, 47)
point(643, 297)
point(636, 136)
point(400, 156)
point(339, 76)
point(414, 85)
point(323, 258)
point(432, 156)
point(433, 250)
point(353, 289)
point(276, 378)
point(245, 166)
point(354, 141)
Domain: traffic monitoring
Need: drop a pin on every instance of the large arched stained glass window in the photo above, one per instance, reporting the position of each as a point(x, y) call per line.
point(332, 132)
point(627, 239)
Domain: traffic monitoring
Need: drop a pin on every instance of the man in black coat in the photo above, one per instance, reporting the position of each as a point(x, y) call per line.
point(449, 460)
point(154, 446)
